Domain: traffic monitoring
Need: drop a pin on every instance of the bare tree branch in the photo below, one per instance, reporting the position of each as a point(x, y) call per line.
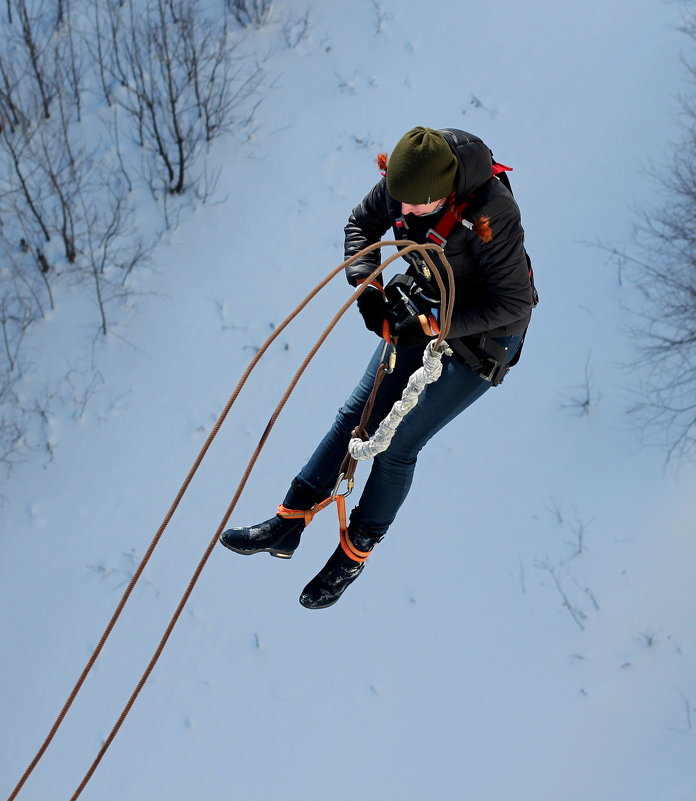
point(663, 275)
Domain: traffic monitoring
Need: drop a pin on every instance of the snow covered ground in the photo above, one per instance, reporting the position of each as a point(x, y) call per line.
point(531, 637)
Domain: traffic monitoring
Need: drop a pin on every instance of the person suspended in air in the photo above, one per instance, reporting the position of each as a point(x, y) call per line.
point(439, 186)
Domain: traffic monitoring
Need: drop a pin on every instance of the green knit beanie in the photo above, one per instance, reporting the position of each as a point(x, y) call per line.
point(421, 168)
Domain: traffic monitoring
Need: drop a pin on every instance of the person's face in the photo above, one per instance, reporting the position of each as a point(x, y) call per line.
point(421, 209)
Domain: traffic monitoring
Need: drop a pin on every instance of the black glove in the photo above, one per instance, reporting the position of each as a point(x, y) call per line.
point(373, 307)
point(410, 332)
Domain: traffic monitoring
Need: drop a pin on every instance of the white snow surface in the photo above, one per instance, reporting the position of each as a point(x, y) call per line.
point(526, 630)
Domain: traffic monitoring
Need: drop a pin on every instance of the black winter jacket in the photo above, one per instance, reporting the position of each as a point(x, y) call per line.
point(493, 292)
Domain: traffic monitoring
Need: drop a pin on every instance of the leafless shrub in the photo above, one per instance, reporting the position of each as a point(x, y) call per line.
point(583, 398)
point(576, 613)
point(295, 29)
point(33, 35)
point(58, 216)
point(11, 425)
point(688, 712)
point(250, 13)
point(182, 81)
point(380, 14)
point(173, 78)
point(664, 274)
point(17, 312)
point(111, 251)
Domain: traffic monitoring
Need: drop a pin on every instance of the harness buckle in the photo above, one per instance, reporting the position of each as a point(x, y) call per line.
point(438, 239)
point(419, 263)
point(494, 371)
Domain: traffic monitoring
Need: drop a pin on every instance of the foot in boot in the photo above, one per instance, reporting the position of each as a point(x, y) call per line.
point(278, 536)
point(331, 581)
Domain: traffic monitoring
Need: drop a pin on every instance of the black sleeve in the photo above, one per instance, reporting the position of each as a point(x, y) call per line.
point(367, 224)
point(503, 270)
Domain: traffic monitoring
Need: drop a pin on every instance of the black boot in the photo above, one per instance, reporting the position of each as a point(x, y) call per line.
point(340, 571)
point(278, 536)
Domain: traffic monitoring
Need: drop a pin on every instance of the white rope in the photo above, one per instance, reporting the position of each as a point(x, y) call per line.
point(429, 372)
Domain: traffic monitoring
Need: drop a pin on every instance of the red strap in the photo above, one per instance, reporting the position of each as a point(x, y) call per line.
point(446, 224)
point(386, 331)
point(434, 325)
point(440, 234)
point(451, 217)
point(498, 168)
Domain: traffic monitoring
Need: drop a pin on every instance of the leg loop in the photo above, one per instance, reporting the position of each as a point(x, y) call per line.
point(350, 550)
point(306, 514)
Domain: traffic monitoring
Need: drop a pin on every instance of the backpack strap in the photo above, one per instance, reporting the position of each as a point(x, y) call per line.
point(455, 214)
point(500, 172)
point(440, 234)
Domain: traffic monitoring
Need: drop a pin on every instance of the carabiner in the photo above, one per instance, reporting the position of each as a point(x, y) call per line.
point(391, 363)
point(349, 486)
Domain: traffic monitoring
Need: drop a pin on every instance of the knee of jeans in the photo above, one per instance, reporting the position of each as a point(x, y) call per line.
point(342, 420)
point(405, 445)
point(347, 417)
point(394, 457)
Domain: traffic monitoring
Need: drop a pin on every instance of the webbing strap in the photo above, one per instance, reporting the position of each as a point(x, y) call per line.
point(498, 168)
point(375, 284)
point(308, 515)
point(446, 223)
point(350, 550)
point(429, 325)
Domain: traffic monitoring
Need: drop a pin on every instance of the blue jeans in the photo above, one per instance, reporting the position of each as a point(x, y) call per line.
point(392, 470)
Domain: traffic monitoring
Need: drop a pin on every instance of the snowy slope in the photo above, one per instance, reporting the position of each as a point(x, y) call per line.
point(452, 669)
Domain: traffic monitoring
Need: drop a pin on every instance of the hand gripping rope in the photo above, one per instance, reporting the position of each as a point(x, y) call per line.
point(404, 247)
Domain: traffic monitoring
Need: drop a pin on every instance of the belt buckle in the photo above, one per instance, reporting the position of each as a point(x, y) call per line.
point(497, 372)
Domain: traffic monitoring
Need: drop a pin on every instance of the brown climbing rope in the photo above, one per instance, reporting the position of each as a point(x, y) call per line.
point(404, 247)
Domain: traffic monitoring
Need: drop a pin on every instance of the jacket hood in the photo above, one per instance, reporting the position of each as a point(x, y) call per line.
point(474, 157)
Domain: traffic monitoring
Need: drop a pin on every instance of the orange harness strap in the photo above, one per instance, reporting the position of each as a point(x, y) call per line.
point(346, 473)
point(350, 550)
point(308, 515)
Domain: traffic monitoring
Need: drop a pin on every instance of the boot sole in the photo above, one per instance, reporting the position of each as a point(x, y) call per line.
point(319, 606)
point(272, 551)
